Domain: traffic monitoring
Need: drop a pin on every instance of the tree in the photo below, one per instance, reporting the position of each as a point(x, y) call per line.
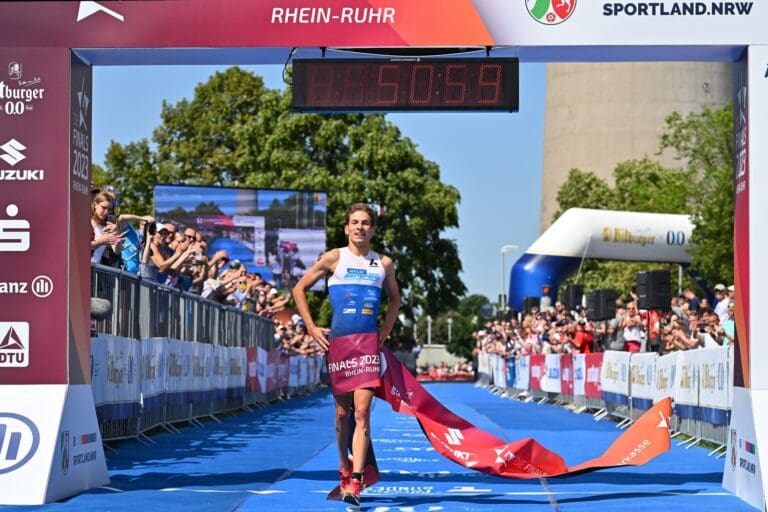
point(704, 140)
point(235, 132)
point(583, 189)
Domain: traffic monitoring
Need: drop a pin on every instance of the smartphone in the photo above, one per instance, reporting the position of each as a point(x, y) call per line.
point(111, 219)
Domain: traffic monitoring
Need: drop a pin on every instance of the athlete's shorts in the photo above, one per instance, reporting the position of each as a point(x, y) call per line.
point(354, 362)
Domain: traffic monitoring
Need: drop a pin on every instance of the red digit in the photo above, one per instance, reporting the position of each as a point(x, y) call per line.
point(388, 83)
point(354, 85)
point(490, 83)
point(456, 79)
point(421, 84)
point(320, 85)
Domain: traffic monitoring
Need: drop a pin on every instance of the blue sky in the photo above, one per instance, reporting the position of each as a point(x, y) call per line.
point(494, 160)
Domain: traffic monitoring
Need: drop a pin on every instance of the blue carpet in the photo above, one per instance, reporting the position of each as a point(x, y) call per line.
point(284, 457)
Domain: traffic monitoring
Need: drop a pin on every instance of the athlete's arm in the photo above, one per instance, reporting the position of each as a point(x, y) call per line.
point(326, 263)
point(389, 285)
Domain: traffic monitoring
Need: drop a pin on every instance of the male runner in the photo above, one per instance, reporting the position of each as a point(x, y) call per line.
point(356, 277)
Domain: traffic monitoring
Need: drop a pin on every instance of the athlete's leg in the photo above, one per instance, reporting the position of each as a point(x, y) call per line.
point(362, 436)
point(341, 423)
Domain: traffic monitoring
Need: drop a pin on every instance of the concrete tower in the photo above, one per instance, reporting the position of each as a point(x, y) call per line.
point(600, 114)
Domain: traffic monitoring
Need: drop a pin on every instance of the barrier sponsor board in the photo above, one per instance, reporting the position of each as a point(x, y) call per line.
point(57, 448)
point(523, 373)
point(116, 381)
point(579, 374)
point(614, 376)
point(593, 386)
point(742, 474)
point(550, 378)
point(666, 373)
point(153, 373)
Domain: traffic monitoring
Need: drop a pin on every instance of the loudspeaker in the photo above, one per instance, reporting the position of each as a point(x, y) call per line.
point(573, 296)
point(528, 303)
point(601, 304)
point(653, 289)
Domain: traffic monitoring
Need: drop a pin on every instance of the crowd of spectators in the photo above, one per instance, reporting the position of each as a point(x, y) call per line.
point(177, 256)
point(690, 323)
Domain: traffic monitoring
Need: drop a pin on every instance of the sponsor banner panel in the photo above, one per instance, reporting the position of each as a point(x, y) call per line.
point(566, 374)
point(58, 452)
point(293, 375)
point(219, 377)
point(116, 382)
point(252, 371)
point(523, 373)
point(579, 374)
point(34, 157)
point(592, 385)
point(483, 364)
point(550, 378)
point(499, 371)
point(714, 377)
point(742, 474)
point(262, 364)
point(303, 371)
point(614, 376)
point(236, 377)
point(537, 370)
point(686, 386)
point(666, 373)
point(642, 373)
point(177, 378)
point(154, 372)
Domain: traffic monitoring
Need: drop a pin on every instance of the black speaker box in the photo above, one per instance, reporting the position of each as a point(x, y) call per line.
point(654, 290)
point(573, 296)
point(601, 304)
point(528, 303)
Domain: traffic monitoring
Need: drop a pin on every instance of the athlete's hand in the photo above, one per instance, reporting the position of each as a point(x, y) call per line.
point(383, 335)
point(319, 335)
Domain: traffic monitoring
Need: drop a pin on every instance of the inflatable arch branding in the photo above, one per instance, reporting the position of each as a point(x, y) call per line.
point(600, 234)
point(47, 50)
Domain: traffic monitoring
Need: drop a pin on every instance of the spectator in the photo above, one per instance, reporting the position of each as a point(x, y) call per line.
point(104, 232)
point(634, 329)
point(721, 301)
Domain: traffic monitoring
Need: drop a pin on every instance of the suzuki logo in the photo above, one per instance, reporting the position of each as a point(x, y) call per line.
point(12, 150)
point(454, 436)
point(19, 439)
point(14, 234)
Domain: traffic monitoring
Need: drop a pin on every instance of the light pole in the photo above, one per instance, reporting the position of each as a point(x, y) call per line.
point(429, 330)
point(503, 298)
point(450, 323)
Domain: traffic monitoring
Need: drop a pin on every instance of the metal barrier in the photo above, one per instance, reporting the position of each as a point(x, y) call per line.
point(143, 309)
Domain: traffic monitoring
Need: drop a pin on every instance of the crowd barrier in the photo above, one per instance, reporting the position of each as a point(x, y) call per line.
point(624, 385)
point(156, 382)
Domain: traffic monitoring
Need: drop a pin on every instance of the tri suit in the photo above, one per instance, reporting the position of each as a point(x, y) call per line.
point(355, 293)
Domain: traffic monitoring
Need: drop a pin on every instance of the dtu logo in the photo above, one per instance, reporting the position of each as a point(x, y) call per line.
point(13, 152)
point(550, 12)
point(14, 344)
point(89, 8)
point(19, 440)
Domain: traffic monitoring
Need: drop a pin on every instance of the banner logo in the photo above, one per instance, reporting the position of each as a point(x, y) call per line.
point(14, 344)
point(14, 233)
point(13, 152)
point(64, 449)
point(550, 12)
point(19, 439)
point(14, 70)
point(88, 9)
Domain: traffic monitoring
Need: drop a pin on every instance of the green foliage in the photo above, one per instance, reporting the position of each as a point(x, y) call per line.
point(703, 188)
point(235, 132)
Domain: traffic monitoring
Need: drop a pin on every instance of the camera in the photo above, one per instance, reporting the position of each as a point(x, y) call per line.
point(703, 328)
point(150, 228)
point(111, 218)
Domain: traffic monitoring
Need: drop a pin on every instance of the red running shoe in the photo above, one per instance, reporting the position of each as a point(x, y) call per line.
point(346, 476)
point(352, 494)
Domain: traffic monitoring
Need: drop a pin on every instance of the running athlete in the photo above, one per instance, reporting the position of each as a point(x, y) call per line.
point(357, 276)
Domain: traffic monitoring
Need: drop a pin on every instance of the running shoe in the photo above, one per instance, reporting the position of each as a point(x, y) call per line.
point(346, 476)
point(352, 493)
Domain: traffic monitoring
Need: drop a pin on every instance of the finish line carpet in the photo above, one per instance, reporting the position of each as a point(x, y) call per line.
point(284, 458)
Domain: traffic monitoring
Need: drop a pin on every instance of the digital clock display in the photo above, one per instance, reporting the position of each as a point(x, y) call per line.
point(350, 85)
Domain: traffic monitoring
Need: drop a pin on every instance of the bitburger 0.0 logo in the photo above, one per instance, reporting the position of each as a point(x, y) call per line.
point(550, 12)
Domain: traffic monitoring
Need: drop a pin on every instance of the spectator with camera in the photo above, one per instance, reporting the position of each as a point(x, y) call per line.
point(634, 329)
point(106, 240)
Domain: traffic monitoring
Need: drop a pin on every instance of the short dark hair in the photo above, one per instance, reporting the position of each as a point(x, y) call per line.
point(360, 207)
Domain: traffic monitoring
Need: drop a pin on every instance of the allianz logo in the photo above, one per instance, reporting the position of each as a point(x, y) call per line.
point(41, 286)
point(19, 440)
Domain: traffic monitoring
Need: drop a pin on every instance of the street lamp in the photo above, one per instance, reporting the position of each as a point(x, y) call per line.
point(429, 330)
point(450, 323)
point(502, 299)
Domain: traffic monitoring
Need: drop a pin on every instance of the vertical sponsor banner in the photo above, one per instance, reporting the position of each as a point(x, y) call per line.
point(642, 372)
point(219, 379)
point(176, 393)
point(593, 387)
point(236, 377)
point(272, 370)
point(686, 385)
point(550, 378)
point(153, 373)
point(523, 373)
point(116, 380)
point(713, 387)
point(293, 375)
point(537, 369)
point(79, 285)
point(303, 371)
point(262, 363)
point(198, 380)
point(34, 226)
point(614, 377)
point(579, 374)
point(742, 474)
point(483, 365)
point(283, 368)
point(499, 372)
point(566, 374)
point(666, 373)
